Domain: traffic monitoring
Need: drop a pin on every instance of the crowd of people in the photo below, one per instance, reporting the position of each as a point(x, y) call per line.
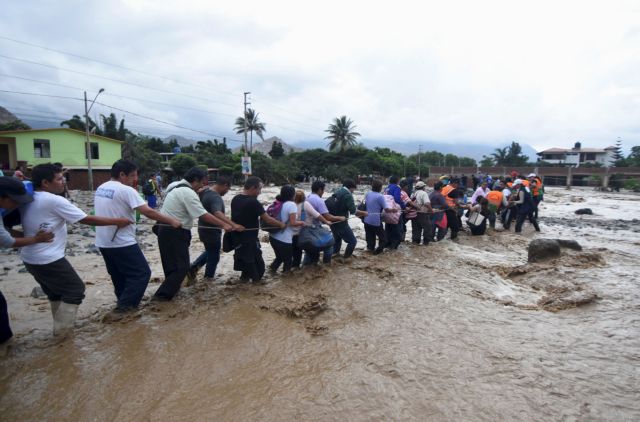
point(296, 222)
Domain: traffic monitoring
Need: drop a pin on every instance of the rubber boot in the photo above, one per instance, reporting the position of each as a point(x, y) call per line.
point(64, 319)
point(536, 226)
point(55, 304)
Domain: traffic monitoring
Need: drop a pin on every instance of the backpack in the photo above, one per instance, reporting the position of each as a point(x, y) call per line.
point(147, 188)
point(391, 217)
point(274, 211)
point(332, 204)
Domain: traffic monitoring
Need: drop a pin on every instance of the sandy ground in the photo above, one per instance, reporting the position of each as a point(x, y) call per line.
point(456, 324)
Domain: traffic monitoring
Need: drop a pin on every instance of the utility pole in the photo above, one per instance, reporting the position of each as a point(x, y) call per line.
point(419, 154)
point(246, 148)
point(88, 141)
point(246, 103)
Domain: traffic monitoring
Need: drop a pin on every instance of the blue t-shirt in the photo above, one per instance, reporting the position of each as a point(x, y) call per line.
point(375, 205)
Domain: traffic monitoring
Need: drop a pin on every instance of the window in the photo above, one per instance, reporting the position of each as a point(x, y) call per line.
point(41, 148)
point(95, 153)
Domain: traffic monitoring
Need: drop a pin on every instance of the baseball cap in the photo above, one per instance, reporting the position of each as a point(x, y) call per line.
point(517, 182)
point(15, 190)
point(532, 175)
point(420, 184)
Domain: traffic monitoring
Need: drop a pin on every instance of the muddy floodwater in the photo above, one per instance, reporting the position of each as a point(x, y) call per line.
point(462, 330)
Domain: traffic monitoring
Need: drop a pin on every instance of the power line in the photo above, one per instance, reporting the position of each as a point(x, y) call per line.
point(125, 111)
point(115, 80)
point(113, 65)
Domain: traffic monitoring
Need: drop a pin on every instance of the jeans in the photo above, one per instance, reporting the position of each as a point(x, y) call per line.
point(284, 255)
point(371, 232)
point(174, 253)
point(520, 220)
point(210, 257)
point(342, 231)
point(130, 274)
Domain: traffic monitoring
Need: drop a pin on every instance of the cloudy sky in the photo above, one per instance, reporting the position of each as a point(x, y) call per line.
point(544, 73)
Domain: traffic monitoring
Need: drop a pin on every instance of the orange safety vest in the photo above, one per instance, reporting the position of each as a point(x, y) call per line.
point(445, 192)
point(495, 197)
point(535, 191)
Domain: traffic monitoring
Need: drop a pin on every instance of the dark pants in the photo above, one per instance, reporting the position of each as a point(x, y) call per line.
point(296, 253)
point(314, 257)
point(5, 329)
point(209, 258)
point(536, 202)
point(248, 260)
point(492, 219)
point(453, 223)
point(59, 281)
point(284, 255)
point(522, 217)
point(174, 253)
point(342, 231)
point(507, 217)
point(421, 229)
point(371, 232)
point(394, 234)
point(130, 274)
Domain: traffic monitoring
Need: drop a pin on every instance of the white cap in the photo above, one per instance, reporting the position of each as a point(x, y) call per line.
point(532, 175)
point(517, 182)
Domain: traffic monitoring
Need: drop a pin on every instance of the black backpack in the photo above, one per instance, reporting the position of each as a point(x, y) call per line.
point(147, 188)
point(332, 204)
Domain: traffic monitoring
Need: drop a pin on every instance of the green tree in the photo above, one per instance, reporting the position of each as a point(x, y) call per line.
point(180, 163)
point(250, 123)
point(634, 158)
point(15, 125)
point(341, 134)
point(500, 156)
point(617, 152)
point(486, 161)
point(277, 150)
point(77, 123)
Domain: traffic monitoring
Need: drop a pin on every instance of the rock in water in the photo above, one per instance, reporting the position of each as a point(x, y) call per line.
point(586, 211)
point(37, 292)
point(541, 249)
point(571, 244)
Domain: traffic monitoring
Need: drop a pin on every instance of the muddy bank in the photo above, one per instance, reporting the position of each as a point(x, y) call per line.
point(420, 333)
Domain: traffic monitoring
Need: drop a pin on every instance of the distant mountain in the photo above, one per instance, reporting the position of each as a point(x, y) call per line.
point(6, 116)
point(265, 147)
point(182, 141)
point(460, 149)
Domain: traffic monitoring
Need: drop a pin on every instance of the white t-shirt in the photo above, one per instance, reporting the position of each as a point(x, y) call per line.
point(116, 200)
point(50, 213)
point(286, 235)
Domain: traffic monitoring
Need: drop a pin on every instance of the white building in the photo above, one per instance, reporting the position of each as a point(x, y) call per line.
point(578, 156)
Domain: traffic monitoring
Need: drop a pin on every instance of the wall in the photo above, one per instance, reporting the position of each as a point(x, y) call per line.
point(67, 147)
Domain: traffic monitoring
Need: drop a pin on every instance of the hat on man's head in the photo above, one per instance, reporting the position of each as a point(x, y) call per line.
point(15, 190)
point(532, 175)
point(517, 182)
point(420, 185)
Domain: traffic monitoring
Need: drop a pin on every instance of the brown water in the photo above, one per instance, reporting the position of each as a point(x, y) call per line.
point(452, 331)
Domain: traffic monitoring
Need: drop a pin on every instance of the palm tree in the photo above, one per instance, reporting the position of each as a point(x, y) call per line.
point(341, 135)
point(252, 125)
point(500, 156)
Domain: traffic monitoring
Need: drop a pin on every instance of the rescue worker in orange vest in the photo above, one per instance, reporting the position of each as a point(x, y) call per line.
point(452, 196)
point(537, 191)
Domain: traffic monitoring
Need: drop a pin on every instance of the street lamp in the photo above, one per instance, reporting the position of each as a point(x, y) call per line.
point(88, 142)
